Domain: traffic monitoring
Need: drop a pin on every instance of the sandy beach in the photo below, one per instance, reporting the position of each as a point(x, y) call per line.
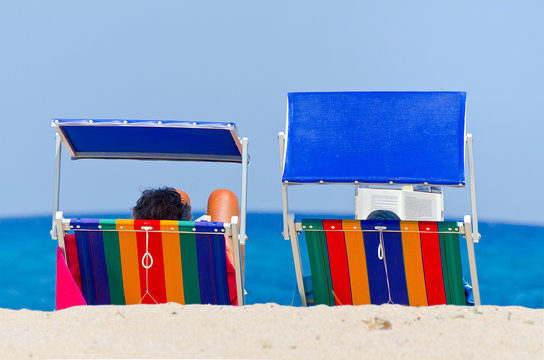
point(273, 331)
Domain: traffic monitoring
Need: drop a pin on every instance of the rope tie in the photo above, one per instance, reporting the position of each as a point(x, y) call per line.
point(380, 250)
point(147, 262)
point(381, 256)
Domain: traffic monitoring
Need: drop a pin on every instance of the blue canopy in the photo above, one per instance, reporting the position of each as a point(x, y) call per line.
point(376, 137)
point(150, 139)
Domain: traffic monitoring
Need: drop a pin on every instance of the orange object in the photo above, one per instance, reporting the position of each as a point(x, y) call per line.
point(413, 263)
point(355, 249)
point(184, 196)
point(172, 261)
point(222, 205)
point(129, 261)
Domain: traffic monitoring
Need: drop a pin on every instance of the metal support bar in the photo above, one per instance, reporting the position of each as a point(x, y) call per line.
point(243, 204)
point(476, 235)
point(285, 210)
point(237, 260)
point(281, 140)
point(472, 260)
point(59, 226)
point(56, 190)
point(296, 258)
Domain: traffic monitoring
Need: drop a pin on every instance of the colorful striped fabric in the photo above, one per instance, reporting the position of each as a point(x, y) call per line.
point(185, 260)
point(419, 263)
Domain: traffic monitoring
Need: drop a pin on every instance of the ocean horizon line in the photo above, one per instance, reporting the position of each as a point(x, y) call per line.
point(197, 212)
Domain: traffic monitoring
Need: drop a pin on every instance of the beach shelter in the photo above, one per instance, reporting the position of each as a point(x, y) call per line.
point(380, 139)
point(122, 261)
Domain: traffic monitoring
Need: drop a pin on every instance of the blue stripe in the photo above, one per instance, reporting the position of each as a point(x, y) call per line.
point(86, 268)
point(100, 268)
point(377, 280)
point(95, 255)
point(395, 264)
point(220, 267)
point(203, 254)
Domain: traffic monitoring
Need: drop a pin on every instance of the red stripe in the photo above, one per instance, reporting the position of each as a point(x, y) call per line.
point(432, 263)
point(72, 258)
point(338, 259)
point(157, 287)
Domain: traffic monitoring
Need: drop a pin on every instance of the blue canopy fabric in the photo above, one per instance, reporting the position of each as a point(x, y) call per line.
point(375, 138)
point(153, 139)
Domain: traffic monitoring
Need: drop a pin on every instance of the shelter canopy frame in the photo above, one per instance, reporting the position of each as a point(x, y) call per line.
point(151, 140)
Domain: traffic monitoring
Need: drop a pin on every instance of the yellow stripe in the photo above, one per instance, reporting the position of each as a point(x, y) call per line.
point(129, 261)
point(413, 263)
point(172, 262)
point(355, 248)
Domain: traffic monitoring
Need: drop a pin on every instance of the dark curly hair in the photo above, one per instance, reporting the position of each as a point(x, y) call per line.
point(382, 215)
point(164, 203)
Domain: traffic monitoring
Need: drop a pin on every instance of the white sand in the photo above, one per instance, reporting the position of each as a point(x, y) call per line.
point(273, 331)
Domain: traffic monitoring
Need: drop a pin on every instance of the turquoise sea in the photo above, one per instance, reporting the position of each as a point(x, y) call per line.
point(509, 258)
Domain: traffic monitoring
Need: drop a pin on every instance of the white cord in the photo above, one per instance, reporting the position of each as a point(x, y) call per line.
point(381, 256)
point(149, 264)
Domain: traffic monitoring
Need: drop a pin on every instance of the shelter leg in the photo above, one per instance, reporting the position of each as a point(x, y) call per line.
point(473, 272)
point(296, 258)
point(469, 236)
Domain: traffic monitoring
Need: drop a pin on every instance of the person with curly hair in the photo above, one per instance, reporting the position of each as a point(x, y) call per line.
point(164, 203)
point(167, 203)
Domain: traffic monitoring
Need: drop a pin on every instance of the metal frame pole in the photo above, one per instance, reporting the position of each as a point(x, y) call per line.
point(285, 210)
point(285, 233)
point(237, 260)
point(476, 235)
point(59, 217)
point(243, 204)
point(296, 258)
point(472, 260)
point(56, 190)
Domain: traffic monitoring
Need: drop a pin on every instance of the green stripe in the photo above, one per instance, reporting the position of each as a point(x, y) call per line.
point(453, 262)
point(189, 265)
point(444, 258)
point(319, 262)
point(113, 262)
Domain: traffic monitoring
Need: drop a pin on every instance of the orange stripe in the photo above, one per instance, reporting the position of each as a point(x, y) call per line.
point(355, 249)
point(413, 263)
point(172, 262)
point(129, 261)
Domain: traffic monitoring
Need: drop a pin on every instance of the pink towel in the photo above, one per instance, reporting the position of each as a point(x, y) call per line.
point(68, 293)
point(231, 279)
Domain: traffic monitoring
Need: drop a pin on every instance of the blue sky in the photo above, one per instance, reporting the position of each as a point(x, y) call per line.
point(236, 61)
